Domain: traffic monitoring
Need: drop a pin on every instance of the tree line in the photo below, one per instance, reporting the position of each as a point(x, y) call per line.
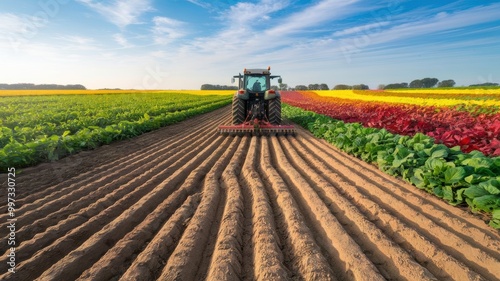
point(217, 87)
point(30, 86)
point(417, 83)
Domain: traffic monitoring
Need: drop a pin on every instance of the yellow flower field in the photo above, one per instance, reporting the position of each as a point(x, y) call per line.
point(426, 97)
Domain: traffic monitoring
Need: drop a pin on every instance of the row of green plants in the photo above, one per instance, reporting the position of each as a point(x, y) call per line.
point(94, 121)
point(460, 178)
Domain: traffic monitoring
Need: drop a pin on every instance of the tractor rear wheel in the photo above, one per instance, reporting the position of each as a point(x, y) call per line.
point(274, 111)
point(238, 110)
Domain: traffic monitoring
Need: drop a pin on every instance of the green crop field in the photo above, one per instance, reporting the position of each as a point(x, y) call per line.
point(37, 128)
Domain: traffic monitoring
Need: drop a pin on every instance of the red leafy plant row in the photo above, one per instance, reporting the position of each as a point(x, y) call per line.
point(444, 124)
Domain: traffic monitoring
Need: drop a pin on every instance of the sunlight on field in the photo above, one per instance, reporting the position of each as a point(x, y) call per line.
point(422, 97)
point(109, 91)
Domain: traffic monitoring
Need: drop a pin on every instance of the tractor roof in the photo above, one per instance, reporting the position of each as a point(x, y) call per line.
point(257, 71)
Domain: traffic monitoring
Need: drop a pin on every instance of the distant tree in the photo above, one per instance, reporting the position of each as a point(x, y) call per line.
point(218, 87)
point(323, 86)
point(380, 86)
point(396, 86)
point(446, 83)
point(283, 86)
point(429, 82)
point(313, 87)
point(301, 88)
point(417, 83)
point(360, 87)
point(488, 84)
point(30, 86)
point(342, 87)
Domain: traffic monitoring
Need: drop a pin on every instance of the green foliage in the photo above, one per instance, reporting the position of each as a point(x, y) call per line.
point(35, 129)
point(457, 177)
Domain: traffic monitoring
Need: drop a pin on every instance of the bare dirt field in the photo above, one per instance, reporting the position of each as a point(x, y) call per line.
point(183, 203)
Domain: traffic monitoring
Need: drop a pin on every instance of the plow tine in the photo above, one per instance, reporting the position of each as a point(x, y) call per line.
point(248, 130)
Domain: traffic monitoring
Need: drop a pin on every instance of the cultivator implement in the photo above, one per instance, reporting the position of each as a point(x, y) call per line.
point(256, 128)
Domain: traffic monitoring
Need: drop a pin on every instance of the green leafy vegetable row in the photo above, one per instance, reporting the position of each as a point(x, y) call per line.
point(36, 133)
point(457, 177)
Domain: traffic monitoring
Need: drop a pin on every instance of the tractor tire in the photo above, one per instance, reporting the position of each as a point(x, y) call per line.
point(238, 110)
point(274, 111)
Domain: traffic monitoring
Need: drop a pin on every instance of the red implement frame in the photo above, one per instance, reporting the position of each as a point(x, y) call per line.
point(256, 127)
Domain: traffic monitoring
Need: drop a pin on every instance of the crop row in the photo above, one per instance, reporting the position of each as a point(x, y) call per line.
point(457, 177)
point(470, 131)
point(480, 100)
point(44, 128)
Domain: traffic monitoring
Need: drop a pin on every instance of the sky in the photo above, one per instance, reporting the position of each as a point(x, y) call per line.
point(182, 44)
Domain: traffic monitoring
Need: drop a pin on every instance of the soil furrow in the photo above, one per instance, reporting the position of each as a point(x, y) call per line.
point(211, 242)
point(387, 255)
point(121, 185)
point(226, 261)
point(453, 219)
point(183, 262)
point(133, 241)
point(304, 256)
point(73, 264)
point(355, 265)
point(151, 260)
point(428, 249)
point(112, 204)
point(84, 226)
point(264, 244)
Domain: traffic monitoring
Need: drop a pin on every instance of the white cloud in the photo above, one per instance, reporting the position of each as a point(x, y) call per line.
point(121, 40)
point(363, 28)
point(18, 29)
point(120, 13)
point(202, 4)
point(165, 30)
point(428, 25)
point(326, 10)
point(77, 43)
point(245, 13)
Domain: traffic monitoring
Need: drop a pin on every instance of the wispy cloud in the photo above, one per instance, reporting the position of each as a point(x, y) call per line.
point(324, 11)
point(20, 26)
point(76, 42)
point(203, 4)
point(246, 13)
point(426, 25)
point(363, 28)
point(165, 30)
point(120, 13)
point(121, 40)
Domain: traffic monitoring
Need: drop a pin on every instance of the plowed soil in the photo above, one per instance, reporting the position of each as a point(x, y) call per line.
point(184, 203)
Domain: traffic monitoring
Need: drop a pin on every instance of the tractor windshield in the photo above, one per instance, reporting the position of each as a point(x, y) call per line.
point(256, 83)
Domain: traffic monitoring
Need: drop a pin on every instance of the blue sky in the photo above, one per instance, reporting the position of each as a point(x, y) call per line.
point(181, 44)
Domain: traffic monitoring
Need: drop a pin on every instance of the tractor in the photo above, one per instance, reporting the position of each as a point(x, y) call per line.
point(256, 107)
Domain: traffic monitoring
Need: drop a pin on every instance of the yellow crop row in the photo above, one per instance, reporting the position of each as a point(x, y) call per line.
point(457, 91)
point(102, 92)
point(423, 101)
